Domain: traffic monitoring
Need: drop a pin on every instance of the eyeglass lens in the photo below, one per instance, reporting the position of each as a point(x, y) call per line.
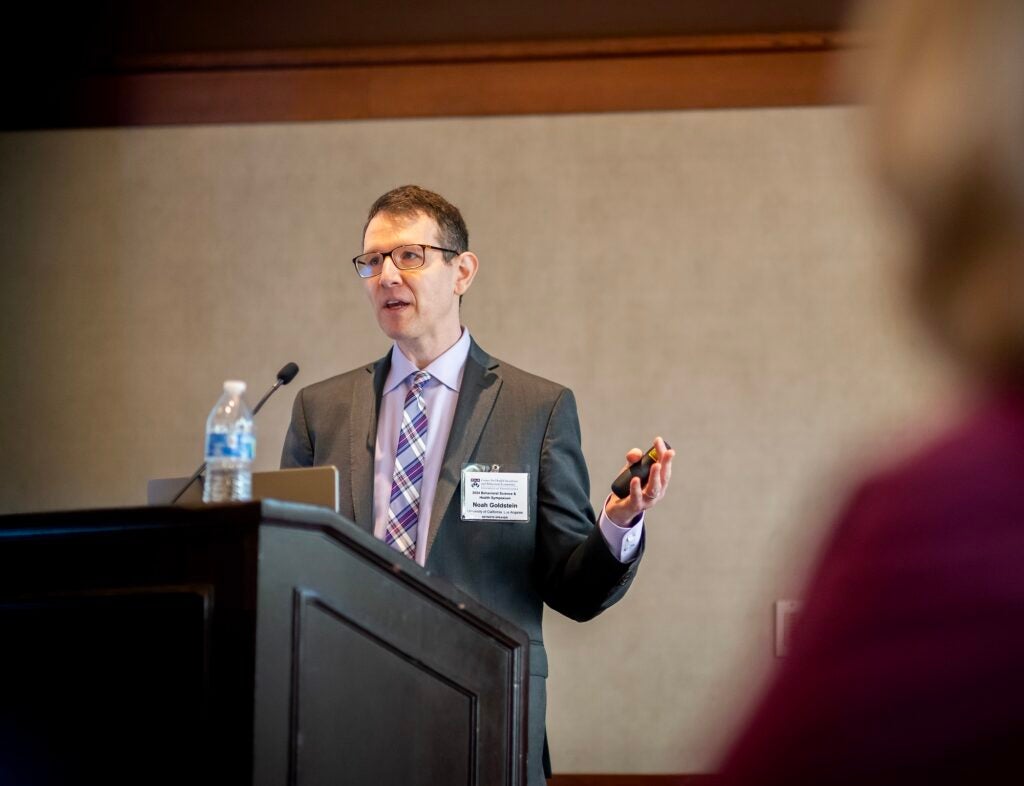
point(404, 257)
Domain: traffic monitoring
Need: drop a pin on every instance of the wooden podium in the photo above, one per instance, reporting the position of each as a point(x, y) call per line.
point(262, 643)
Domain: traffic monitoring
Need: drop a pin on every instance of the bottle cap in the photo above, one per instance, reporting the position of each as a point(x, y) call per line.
point(235, 387)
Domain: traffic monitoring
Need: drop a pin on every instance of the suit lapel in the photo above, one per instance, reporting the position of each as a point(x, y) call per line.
point(481, 382)
point(363, 436)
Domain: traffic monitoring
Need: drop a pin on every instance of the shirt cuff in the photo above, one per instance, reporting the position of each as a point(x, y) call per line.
point(623, 542)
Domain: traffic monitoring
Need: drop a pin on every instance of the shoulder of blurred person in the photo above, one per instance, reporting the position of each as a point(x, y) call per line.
point(952, 510)
point(905, 665)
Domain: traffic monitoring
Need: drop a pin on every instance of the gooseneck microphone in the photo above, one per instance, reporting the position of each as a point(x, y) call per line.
point(284, 376)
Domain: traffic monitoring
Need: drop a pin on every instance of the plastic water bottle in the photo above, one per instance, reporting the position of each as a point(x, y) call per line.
point(230, 447)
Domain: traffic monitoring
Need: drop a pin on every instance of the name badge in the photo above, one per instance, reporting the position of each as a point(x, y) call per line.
point(491, 494)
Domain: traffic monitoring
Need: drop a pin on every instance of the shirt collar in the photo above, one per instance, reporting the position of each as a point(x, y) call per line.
point(446, 369)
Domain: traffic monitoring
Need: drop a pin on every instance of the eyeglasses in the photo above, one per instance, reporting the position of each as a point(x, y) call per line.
point(409, 257)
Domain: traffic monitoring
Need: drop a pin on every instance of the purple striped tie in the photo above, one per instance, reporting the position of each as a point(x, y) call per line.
point(404, 512)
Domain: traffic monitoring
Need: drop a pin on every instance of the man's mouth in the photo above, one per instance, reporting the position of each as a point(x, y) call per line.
point(393, 304)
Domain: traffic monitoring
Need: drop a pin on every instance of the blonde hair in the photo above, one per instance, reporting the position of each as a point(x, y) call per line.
point(948, 93)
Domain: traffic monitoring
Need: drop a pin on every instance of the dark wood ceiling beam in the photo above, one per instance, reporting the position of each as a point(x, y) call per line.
point(529, 77)
point(418, 54)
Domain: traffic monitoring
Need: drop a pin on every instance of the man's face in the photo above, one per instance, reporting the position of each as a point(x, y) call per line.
point(417, 308)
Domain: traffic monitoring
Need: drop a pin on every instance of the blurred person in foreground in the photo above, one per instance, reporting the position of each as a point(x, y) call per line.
point(908, 664)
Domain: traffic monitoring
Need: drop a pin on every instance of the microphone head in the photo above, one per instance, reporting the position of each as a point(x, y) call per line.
point(287, 374)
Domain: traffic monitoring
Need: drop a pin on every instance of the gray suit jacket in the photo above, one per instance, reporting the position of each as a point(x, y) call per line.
point(504, 416)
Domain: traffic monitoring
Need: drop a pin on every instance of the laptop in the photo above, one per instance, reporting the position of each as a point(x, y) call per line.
point(311, 485)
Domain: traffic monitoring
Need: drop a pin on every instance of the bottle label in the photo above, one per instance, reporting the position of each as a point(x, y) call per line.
point(235, 446)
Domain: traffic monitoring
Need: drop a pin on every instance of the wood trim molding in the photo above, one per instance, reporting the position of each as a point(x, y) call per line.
point(422, 54)
point(473, 79)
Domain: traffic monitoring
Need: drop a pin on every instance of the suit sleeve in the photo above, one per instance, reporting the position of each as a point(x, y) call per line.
point(298, 445)
point(577, 572)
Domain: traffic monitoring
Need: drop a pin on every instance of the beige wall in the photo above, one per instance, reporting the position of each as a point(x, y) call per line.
point(715, 277)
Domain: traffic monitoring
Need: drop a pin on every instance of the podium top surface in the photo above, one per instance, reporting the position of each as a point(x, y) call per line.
point(20, 525)
point(77, 529)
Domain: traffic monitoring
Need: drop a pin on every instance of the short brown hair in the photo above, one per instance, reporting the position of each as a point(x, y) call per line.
point(409, 201)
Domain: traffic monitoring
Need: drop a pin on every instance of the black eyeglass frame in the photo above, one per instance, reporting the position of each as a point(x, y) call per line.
point(425, 246)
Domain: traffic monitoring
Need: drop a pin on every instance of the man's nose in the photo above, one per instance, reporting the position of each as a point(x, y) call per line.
point(389, 273)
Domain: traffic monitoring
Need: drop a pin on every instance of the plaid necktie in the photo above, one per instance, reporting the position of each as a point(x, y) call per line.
point(404, 511)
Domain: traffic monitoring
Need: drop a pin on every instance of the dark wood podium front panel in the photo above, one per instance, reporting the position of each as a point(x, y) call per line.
point(81, 676)
point(368, 675)
point(262, 643)
point(358, 646)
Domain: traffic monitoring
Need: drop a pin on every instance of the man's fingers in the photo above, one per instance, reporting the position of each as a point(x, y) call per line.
point(642, 496)
point(666, 467)
point(632, 457)
point(665, 456)
point(636, 493)
point(654, 485)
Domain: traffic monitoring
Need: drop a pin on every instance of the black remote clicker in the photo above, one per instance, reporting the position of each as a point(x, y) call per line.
point(638, 469)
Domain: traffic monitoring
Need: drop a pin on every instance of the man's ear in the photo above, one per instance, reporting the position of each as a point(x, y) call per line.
point(466, 266)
